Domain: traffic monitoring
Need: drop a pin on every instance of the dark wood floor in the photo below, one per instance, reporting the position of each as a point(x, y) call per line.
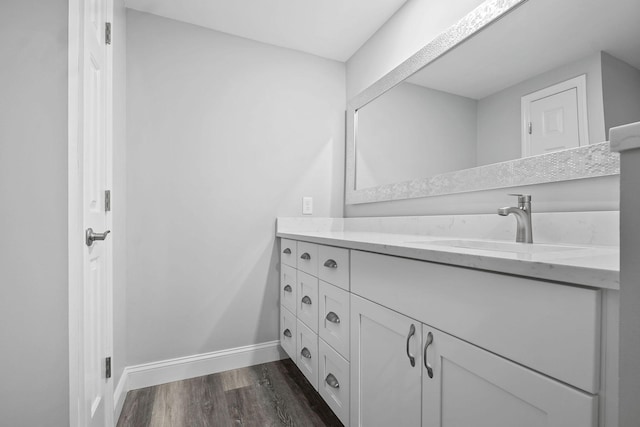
point(271, 394)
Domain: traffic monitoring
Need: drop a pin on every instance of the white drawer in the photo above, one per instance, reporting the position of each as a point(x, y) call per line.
point(288, 328)
point(333, 266)
point(307, 304)
point(288, 252)
point(288, 287)
point(333, 381)
point(334, 319)
point(307, 353)
point(307, 258)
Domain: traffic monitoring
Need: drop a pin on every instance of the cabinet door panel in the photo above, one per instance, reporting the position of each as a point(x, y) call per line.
point(385, 387)
point(307, 306)
point(288, 252)
point(307, 357)
point(308, 258)
point(288, 287)
point(288, 332)
point(333, 319)
point(472, 387)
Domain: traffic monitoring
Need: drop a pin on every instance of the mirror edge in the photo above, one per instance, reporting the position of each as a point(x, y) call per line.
point(583, 162)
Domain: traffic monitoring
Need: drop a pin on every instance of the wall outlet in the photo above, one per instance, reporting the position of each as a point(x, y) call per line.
point(307, 206)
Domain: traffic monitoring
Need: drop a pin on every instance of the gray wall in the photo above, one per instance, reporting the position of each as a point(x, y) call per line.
point(411, 132)
point(34, 382)
point(224, 134)
point(119, 191)
point(621, 87)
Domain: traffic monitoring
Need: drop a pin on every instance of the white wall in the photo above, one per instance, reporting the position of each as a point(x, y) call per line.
point(411, 132)
point(224, 134)
point(34, 368)
point(621, 87)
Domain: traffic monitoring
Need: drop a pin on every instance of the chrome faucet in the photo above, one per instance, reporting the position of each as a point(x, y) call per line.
point(522, 213)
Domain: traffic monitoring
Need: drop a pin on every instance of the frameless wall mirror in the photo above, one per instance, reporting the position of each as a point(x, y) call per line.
point(518, 92)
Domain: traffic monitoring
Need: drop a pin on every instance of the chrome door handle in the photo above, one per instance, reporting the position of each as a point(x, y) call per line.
point(287, 333)
point(332, 381)
point(287, 251)
point(426, 363)
point(91, 237)
point(305, 256)
point(287, 288)
point(330, 264)
point(332, 317)
point(306, 300)
point(412, 331)
point(306, 353)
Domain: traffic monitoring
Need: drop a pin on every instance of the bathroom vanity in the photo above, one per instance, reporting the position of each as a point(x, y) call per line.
point(417, 329)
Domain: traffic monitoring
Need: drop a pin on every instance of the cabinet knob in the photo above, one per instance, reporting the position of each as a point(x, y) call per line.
point(306, 353)
point(332, 317)
point(287, 251)
point(332, 381)
point(288, 288)
point(330, 263)
point(306, 300)
point(305, 256)
point(412, 331)
point(426, 362)
point(287, 333)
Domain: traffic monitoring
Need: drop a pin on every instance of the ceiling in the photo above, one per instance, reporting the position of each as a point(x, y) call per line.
point(332, 29)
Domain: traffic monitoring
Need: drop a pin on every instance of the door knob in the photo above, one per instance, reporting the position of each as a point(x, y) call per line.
point(90, 236)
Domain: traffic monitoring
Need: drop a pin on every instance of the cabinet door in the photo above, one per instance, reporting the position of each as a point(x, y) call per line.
point(307, 305)
point(464, 385)
point(333, 319)
point(385, 384)
point(288, 287)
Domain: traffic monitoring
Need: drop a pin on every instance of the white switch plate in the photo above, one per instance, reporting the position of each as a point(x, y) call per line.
point(307, 206)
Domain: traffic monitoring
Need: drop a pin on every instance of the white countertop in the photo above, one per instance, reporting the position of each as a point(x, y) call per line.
point(586, 265)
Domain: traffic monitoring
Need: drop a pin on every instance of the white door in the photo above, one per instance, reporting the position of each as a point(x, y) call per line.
point(469, 386)
point(555, 118)
point(95, 122)
point(385, 366)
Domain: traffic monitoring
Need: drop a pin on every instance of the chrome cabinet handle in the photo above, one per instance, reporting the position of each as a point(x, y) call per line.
point(288, 288)
point(332, 317)
point(306, 353)
point(426, 362)
point(306, 300)
point(305, 256)
point(330, 264)
point(91, 237)
point(287, 333)
point(287, 251)
point(332, 381)
point(412, 331)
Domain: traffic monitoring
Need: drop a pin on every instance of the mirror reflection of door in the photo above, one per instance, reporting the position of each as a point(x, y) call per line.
point(555, 118)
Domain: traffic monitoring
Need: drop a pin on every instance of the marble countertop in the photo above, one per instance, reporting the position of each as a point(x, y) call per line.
point(586, 265)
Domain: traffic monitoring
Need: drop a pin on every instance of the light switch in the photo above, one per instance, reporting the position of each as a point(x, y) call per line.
point(307, 205)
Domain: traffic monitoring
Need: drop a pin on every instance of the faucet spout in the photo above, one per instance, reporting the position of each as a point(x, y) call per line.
point(524, 233)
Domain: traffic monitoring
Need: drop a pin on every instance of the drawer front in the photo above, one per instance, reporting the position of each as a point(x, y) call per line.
point(551, 328)
point(288, 334)
point(288, 251)
point(333, 381)
point(307, 304)
point(333, 266)
point(307, 353)
point(288, 286)
point(333, 319)
point(307, 258)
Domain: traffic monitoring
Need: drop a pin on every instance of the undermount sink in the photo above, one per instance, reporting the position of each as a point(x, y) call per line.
point(488, 245)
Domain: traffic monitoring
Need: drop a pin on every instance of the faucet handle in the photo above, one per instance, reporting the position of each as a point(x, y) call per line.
point(522, 198)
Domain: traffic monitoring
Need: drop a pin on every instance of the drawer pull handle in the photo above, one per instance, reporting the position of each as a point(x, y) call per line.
point(306, 300)
point(332, 381)
point(426, 362)
point(287, 333)
point(305, 256)
point(330, 264)
point(412, 331)
point(332, 317)
point(306, 353)
point(287, 251)
point(288, 288)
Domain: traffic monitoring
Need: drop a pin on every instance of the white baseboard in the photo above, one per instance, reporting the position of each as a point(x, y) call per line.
point(182, 368)
point(119, 394)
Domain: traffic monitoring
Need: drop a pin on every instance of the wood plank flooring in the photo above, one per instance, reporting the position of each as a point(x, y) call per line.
point(271, 394)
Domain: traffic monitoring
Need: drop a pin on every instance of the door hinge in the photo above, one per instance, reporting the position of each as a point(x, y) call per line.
point(107, 367)
point(107, 33)
point(107, 200)
point(530, 128)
